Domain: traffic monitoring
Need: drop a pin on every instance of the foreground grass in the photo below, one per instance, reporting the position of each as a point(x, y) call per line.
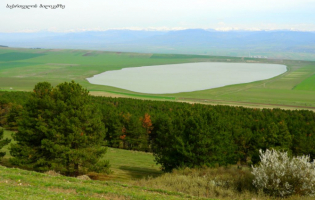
point(220, 183)
point(21, 184)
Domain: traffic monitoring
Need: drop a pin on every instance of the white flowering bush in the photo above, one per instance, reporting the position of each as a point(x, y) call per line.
point(280, 175)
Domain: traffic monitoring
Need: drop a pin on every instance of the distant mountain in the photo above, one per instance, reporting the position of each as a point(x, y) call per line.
point(190, 41)
point(233, 38)
point(47, 39)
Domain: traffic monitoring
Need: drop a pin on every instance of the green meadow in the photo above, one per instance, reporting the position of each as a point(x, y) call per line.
point(21, 69)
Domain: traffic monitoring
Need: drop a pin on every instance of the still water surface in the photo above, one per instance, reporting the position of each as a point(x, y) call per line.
point(187, 77)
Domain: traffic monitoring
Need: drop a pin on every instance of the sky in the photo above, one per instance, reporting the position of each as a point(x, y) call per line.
point(99, 15)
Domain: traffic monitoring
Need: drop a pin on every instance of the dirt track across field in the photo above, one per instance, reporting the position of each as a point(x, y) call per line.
point(245, 104)
point(214, 102)
point(62, 64)
point(107, 94)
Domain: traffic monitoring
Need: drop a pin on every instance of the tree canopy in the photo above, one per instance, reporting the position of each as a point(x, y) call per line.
point(60, 129)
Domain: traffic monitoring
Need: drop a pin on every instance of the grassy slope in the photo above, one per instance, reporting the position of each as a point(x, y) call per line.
point(20, 184)
point(126, 166)
point(129, 165)
point(56, 66)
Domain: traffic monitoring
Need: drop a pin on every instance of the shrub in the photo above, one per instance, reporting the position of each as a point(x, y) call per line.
point(280, 175)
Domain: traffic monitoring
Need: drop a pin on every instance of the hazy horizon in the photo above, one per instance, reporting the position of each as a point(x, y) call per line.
point(100, 15)
point(162, 30)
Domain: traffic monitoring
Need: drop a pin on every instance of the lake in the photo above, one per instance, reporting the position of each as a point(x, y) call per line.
point(187, 77)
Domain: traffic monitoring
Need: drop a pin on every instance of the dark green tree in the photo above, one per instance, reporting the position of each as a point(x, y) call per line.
point(3, 142)
point(12, 117)
point(59, 129)
point(5, 107)
point(194, 141)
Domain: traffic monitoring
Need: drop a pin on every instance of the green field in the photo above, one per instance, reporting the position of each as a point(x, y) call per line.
point(21, 69)
point(307, 84)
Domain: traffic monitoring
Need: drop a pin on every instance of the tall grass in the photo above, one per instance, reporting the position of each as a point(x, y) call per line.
point(218, 183)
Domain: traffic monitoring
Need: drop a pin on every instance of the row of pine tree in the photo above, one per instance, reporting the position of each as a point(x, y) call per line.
point(182, 134)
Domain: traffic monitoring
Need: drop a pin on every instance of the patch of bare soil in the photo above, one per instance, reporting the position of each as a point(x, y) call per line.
point(52, 173)
point(100, 177)
point(246, 104)
point(106, 94)
point(84, 177)
point(109, 196)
